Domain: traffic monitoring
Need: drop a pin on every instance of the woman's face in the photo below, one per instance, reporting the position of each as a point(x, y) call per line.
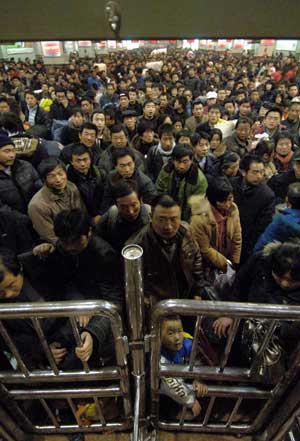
point(284, 146)
point(215, 142)
point(286, 282)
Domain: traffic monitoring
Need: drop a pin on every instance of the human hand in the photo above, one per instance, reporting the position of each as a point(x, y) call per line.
point(65, 102)
point(222, 326)
point(200, 389)
point(43, 250)
point(83, 320)
point(85, 351)
point(196, 409)
point(197, 298)
point(95, 220)
point(57, 351)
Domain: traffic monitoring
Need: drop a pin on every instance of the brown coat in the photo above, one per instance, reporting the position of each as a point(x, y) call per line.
point(45, 205)
point(204, 228)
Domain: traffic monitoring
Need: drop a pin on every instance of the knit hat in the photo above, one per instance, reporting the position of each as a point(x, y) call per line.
point(5, 140)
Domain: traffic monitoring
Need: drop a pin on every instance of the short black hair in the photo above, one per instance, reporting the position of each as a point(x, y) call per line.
point(9, 263)
point(165, 129)
point(264, 147)
point(117, 128)
point(243, 120)
point(80, 149)
point(181, 150)
point(165, 201)
point(219, 189)
point(76, 110)
point(120, 153)
point(88, 126)
point(284, 134)
point(286, 259)
point(293, 195)
point(184, 132)
point(216, 132)
point(69, 225)
point(48, 165)
point(124, 188)
point(247, 160)
point(274, 109)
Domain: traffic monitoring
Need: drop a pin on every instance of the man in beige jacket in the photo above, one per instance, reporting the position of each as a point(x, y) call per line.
point(56, 195)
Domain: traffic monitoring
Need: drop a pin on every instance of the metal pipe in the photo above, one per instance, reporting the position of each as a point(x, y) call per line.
point(78, 340)
point(49, 413)
point(132, 255)
point(10, 426)
point(209, 410)
point(44, 343)
point(234, 411)
point(195, 343)
point(229, 343)
point(286, 426)
point(99, 410)
point(18, 394)
point(73, 409)
point(206, 373)
point(137, 408)
point(72, 428)
point(13, 349)
point(210, 428)
point(263, 346)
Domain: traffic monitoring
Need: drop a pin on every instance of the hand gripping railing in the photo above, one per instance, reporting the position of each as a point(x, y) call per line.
point(233, 383)
point(116, 376)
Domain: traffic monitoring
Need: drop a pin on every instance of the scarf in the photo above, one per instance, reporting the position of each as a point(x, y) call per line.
point(285, 160)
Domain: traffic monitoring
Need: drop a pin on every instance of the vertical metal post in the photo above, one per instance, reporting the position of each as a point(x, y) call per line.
point(132, 255)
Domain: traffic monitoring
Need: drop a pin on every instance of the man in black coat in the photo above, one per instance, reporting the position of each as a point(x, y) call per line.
point(280, 183)
point(255, 200)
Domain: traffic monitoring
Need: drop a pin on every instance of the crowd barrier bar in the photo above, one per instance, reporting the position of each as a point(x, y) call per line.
point(236, 311)
point(119, 373)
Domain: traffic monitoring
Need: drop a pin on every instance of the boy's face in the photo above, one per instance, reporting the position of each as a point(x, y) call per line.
point(172, 335)
point(202, 148)
point(11, 285)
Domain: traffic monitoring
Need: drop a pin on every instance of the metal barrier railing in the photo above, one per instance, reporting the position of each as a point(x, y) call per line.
point(224, 382)
point(23, 384)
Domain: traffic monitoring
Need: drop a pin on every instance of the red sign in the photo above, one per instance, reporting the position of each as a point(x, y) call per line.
point(267, 42)
point(85, 43)
point(101, 44)
point(222, 44)
point(153, 41)
point(51, 48)
point(238, 44)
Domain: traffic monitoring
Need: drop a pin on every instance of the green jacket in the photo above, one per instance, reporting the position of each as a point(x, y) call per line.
point(194, 182)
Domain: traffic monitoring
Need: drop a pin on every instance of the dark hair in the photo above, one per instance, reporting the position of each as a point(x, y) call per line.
point(120, 153)
point(124, 188)
point(165, 201)
point(88, 126)
point(245, 101)
point(243, 120)
point(48, 165)
point(165, 128)
point(69, 225)
point(117, 128)
point(80, 149)
point(216, 132)
point(264, 147)
point(274, 109)
point(8, 262)
point(4, 100)
point(181, 150)
point(284, 134)
point(170, 317)
point(109, 111)
point(293, 195)
point(76, 110)
point(203, 135)
point(286, 259)
point(95, 112)
point(195, 103)
point(214, 107)
point(247, 160)
point(61, 90)
point(143, 126)
point(86, 98)
point(161, 119)
point(184, 132)
point(181, 100)
point(148, 102)
point(9, 121)
point(30, 92)
point(218, 190)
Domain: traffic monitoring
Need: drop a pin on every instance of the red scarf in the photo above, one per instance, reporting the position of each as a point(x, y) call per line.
point(285, 160)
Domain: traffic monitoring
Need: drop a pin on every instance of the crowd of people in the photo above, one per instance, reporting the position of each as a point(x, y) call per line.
point(193, 156)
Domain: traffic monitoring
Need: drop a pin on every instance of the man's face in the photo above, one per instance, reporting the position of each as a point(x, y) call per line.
point(166, 221)
point(163, 99)
point(225, 205)
point(172, 335)
point(272, 120)
point(149, 110)
point(202, 148)
point(129, 207)
point(184, 140)
point(124, 102)
point(213, 116)
point(188, 94)
point(283, 146)
point(211, 101)
point(86, 106)
point(110, 91)
point(255, 96)
point(296, 168)
point(57, 179)
point(221, 95)
point(148, 136)
point(125, 166)
point(119, 139)
point(198, 110)
point(230, 107)
point(81, 163)
point(109, 120)
point(132, 97)
point(130, 122)
point(183, 164)
point(99, 120)
point(31, 100)
point(167, 141)
point(88, 137)
point(294, 112)
point(4, 107)
point(11, 285)
point(77, 246)
point(245, 109)
point(7, 155)
point(60, 96)
point(293, 91)
point(77, 119)
point(243, 131)
point(255, 174)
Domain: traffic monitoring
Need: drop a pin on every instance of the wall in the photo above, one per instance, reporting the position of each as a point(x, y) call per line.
point(142, 19)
